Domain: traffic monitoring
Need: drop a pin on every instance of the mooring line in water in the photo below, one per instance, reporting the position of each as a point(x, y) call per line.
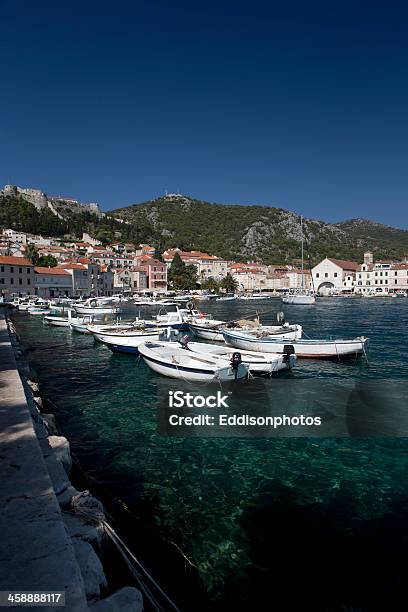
point(129, 556)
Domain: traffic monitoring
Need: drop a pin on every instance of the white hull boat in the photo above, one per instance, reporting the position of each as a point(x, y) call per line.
point(213, 330)
point(302, 348)
point(96, 310)
point(258, 363)
point(38, 311)
point(56, 321)
point(126, 340)
point(253, 297)
point(169, 359)
point(301, 299)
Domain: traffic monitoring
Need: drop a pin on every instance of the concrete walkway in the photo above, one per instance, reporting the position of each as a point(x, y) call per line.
point(36, 552)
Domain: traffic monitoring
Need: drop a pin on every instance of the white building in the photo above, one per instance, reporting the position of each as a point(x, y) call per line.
point(52, 282)
point(381, 277)
point(330, 275)
point(16, 237)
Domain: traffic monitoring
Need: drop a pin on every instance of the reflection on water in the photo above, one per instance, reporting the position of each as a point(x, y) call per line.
point(305, 523)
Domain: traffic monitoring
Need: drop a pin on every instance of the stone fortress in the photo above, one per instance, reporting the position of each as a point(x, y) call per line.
point(57, 204)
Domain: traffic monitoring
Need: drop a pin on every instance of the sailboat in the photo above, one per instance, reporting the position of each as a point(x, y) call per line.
point(302, 296)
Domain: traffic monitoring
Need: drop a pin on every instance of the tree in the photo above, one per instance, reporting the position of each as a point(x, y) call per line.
point(210, 284)
point(32, 253)
point(47, 261)
point(182, 276)
point(229, 284)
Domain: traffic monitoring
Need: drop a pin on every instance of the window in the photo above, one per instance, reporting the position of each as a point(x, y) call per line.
point(335, 275)
point(2, 269)
point(28, 281)
point(326, 274)
point(28, 270)
point(20, 270)
point(2, 281)
point(11, 269)
point(11, 281)
point(317, 274)
point(20, 281)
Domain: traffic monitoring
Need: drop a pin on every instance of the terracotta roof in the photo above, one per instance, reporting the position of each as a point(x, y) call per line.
point(54, 271)
point(344, 264)
point(72, 266)
point(17, 261)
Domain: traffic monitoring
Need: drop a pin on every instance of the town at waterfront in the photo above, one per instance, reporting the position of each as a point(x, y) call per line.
point(52, 267)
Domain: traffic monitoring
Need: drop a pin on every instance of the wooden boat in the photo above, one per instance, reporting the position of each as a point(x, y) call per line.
point(258, 363)
point(301, 348)
point(170, 359)
point(125, 340)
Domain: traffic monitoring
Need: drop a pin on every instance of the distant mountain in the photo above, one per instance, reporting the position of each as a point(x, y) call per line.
point(257, 233)
point(262, 233)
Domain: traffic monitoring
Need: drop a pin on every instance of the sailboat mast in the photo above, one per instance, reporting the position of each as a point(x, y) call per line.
point(301, 231)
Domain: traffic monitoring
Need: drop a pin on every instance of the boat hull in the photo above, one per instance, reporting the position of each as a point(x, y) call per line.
point(126, 341)
point(174, 367)
point(325, 349)
point(258, 363)
point(299, 300)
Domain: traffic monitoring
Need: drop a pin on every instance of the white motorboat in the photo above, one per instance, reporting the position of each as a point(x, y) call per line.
point(227, 298)
point(301, 298)
point(254, 297)
point(258, 363)
point(301, 348)
point(213, 330)
point(96, 307)
point(125, 340)
point(171, 360)
point(38, 310)
point(57, 321)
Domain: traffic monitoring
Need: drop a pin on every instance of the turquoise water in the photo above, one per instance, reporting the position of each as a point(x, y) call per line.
point(301, 523)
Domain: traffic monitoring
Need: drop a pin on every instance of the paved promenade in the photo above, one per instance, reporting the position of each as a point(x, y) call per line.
point(36, 552)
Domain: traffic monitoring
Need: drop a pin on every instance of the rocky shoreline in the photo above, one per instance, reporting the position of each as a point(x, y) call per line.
point(83, 515)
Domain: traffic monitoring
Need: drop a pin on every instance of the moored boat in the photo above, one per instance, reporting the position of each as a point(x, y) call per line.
point(258, 363)
point(213, 329)
point(169, 359)
point(125, 340)
point(302, 348)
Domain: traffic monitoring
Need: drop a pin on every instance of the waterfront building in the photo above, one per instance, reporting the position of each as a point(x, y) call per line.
point(208, 266)
point(330, 274)
point(81, 281)
point(250, 277)
point(132, 280)
point(52, 282)
point(156, 273)
point(381, 277)
point(16, 276)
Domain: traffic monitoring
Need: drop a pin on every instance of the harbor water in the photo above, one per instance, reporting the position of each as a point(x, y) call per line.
point(303, 523)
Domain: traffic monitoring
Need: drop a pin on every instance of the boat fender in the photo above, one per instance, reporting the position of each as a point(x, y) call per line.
point(288, 350)
point(236, 360)
point(190, 305)
point(280, 317)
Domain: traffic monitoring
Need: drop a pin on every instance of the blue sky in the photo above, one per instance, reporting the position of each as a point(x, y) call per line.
point(301, 105)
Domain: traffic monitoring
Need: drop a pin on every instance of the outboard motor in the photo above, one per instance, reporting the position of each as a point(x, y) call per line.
point(236, 360)
point(288, 350)
point(280, 317)
point(184, 340)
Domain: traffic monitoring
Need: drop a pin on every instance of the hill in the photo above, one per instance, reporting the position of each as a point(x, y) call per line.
point(263, 233)
point(260, 233)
